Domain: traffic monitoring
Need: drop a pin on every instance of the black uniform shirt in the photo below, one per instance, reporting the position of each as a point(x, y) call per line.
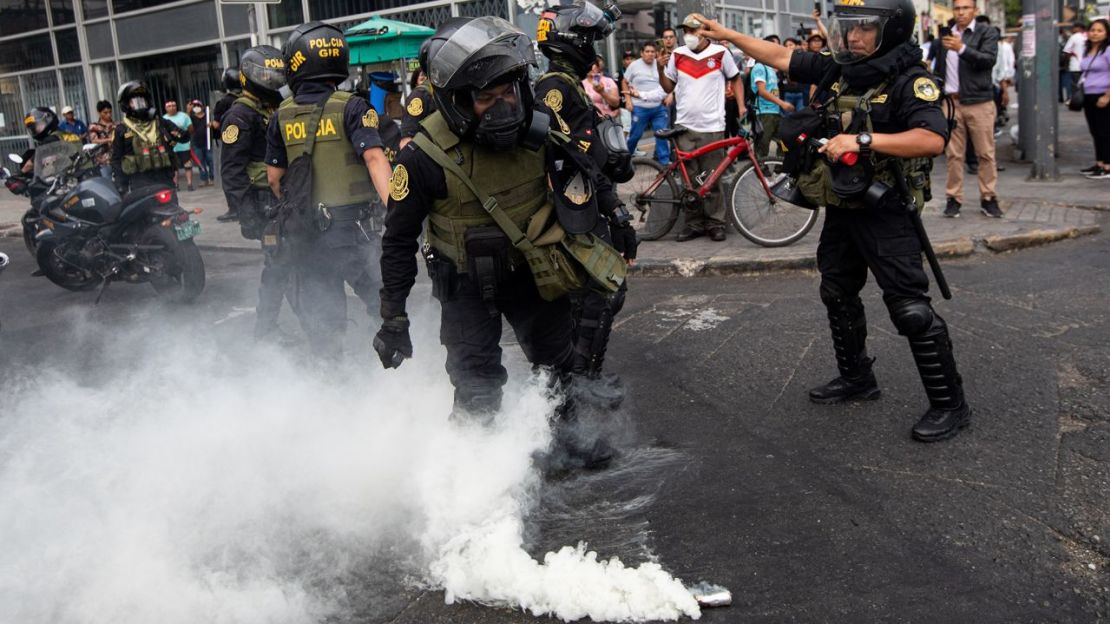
point(914, 97)
point(244, 136)
point(416, 183)
point(556, 96)
point(419, 106)
point(222, 106)
point(362, 137)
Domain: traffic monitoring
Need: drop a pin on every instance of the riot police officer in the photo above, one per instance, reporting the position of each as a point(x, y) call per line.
point(243, 171)
point(42, 125)
point(483, 140)
point(421, 103)
point(232, 90)
point(142, 147)
point(566, 35)
point(877, 101)
point(338, 135)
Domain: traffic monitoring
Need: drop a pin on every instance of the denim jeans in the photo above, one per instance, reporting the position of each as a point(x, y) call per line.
point(202, 156)
point(657, 117)
point(797, 98)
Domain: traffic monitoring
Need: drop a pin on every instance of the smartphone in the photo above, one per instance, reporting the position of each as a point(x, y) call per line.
point(597, 79)
point(817, 7)
point(945, 31)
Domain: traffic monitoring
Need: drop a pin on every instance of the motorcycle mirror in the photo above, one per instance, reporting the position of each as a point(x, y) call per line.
point(15, 158)
point(4, 261)
point(88, 147)
point(4, 173)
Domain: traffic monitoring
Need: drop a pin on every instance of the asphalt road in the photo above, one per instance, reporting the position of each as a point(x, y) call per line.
point(807, 513)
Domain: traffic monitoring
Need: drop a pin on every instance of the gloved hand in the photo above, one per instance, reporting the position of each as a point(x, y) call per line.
point(392, 342)
point(624, 238)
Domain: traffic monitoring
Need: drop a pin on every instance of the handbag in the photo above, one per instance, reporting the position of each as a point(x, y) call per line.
point(1078, 92)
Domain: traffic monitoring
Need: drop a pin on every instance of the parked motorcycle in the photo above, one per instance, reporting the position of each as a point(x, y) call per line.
point(83, 234)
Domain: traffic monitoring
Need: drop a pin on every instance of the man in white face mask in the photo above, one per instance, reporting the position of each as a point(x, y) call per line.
point(696, 74)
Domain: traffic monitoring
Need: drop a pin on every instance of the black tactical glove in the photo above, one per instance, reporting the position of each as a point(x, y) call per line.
point(624, 235)
point(392, 341)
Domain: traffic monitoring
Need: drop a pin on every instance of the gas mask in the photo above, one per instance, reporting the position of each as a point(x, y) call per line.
point(500, 125)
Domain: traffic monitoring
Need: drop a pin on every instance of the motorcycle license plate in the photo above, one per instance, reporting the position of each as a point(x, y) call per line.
point(187, 230)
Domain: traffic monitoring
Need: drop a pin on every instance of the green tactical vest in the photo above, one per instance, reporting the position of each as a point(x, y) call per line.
point(256, 171)
point(514, 178)
point(149, 150)
point(817, 184)
point(340, 177)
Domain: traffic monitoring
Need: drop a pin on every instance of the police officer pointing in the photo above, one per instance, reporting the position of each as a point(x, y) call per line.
point(338, 134)
point(876, 101)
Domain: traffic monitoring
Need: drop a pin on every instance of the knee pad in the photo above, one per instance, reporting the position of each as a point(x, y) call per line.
point(912, 317)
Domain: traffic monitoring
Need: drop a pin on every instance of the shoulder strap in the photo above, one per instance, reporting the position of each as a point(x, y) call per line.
point(318, 112)
point(489, 204)
point(574, 84)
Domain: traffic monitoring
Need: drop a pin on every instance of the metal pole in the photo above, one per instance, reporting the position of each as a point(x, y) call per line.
point(252, 20)
point(1040, 86)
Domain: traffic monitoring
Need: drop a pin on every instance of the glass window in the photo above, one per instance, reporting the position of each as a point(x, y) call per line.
point(133, 5)
point(26, 53)
point(95, 8)
point(288, 13)
point(99, 37)
point(235, 19)
point(73, 93)
point(11, 108)
point(42, 90)
point(62, 10)
point(177, 26)
point(69, 51)
point(105, 82)
point(20, 16)
point(235, 49)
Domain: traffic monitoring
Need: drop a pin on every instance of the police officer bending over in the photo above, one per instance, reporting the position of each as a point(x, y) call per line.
point(349, 170)
point(879, 103)
point(142, 148)
point(483, 140)
point(243, 171)
point(583, 168)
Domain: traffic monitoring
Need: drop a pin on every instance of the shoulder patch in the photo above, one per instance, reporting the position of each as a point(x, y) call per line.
point(415, 107)
point(399, 183)
point(925, 89)
point(554, 100)
point(230, 134)
point(370, 119)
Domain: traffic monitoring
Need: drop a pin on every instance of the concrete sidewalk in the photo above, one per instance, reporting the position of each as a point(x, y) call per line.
point(1036, 213)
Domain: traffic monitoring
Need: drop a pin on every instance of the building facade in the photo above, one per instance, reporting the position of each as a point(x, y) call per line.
point(77, 52)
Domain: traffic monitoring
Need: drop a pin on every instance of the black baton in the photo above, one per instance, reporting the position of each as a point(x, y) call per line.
point(919, 229)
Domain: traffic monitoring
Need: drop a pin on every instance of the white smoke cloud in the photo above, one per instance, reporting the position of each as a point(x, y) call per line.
point(194, 483)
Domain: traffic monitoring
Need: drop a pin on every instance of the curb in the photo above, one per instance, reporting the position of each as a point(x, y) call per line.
point(960, 248)
point(11, 230)
point(234, 249)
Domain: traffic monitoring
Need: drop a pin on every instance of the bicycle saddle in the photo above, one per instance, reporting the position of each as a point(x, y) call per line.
point(669, 133)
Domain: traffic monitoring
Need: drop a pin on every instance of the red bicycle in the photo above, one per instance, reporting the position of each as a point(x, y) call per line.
point(656, 192)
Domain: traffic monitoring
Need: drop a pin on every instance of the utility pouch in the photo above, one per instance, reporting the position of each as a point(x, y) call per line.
point(271, 237)
point(487, 257)
point(444, 276)
point(323, 218)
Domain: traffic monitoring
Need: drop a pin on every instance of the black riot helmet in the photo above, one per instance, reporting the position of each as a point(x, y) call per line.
point(571, 31)
point(262, 73)
point(484, 59)
point(231, 80)
point(315, 51)
point(40, 122)
point(443, 33)
point(135, 101)
point(863, 29)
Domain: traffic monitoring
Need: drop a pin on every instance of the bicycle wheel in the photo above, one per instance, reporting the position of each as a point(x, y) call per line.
point(652, 202)
point(761, 217)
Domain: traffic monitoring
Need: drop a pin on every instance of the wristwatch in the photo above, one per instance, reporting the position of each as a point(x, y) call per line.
point(864, 141)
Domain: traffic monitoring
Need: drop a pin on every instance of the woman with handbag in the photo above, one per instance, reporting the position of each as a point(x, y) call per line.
point(1095, 87)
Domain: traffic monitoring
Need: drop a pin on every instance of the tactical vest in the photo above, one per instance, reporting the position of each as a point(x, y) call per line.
point(256, 170)
point(149, 149)
point(817, 183)
point(515, 178)
point(340, 176)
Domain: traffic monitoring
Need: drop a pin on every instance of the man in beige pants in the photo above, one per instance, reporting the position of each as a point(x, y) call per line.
point(964, 64)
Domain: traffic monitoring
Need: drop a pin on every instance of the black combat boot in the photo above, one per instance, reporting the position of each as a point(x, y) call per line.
point(948, 411)
point(849, 333)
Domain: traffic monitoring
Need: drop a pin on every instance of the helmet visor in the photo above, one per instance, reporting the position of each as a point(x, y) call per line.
point(138, 103)
point(853, 38)
point(266, 77)
point(454, 64)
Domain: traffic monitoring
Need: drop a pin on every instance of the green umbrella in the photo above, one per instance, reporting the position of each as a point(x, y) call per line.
point(380, 40)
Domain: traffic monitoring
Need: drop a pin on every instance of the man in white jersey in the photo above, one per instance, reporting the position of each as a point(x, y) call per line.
point(696, 74)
